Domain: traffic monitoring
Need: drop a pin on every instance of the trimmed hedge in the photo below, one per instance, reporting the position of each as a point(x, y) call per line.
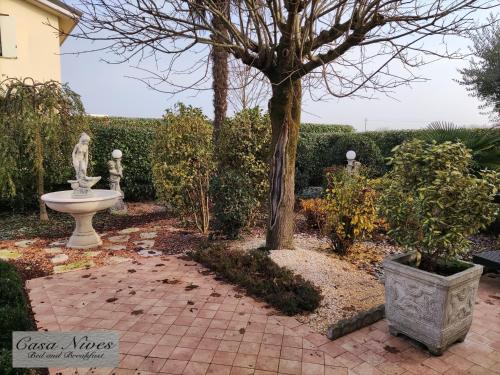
point(14, 315)
point(134, 137)
point(315, 152)
point(325, 128)
point(261, 277)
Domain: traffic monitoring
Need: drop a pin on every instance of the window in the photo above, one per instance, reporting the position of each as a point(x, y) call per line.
point(8, 47)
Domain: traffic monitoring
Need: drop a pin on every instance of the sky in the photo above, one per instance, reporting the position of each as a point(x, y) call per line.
point(106, 90)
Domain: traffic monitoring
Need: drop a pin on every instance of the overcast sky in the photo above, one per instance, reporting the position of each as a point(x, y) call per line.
point(106, 90)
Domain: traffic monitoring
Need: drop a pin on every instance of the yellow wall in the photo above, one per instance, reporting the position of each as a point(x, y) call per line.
point(37, 43)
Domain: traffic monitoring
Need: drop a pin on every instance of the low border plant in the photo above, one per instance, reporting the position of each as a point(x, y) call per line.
point(261, 277)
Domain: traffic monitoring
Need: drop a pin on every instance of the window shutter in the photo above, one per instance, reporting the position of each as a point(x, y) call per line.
point(8, 45)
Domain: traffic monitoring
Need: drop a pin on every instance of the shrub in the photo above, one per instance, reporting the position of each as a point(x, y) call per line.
point(134, 137)
point(315, 212)
point(14, 315)
point(350, 208)
point(241, 183)
point(39, 124)
point(183, 164)
point(432, 202)
point(261, 277)
point(386, 140)
point(484, 145)
point(234, 201)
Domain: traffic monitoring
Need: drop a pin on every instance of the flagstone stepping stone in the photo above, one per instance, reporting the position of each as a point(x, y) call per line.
point(129, 230)
point(150, 253)
point(59, 258)
point(119, 238)
point(116, 247)
point(25, 243)
point(52, 250)
point(148, 235)
point(81, 264)
point(145, 244)
point(91, 254)
point(10, 254)
point(116, 260)
point(57, 243)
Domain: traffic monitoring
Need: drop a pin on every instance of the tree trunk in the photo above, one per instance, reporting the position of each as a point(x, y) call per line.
point(219, 72)
point(40, 175)
point(284, 110)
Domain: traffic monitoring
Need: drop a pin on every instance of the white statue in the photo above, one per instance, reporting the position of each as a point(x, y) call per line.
point(81, 156)
point(115, 175)
point(82, 184)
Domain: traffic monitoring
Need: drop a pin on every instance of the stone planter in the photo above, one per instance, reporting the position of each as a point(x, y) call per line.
point(432, 309)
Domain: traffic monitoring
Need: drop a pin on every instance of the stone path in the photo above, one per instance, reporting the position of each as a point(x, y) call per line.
point(173, 318)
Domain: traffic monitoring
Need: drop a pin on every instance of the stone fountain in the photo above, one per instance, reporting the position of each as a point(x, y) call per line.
point(82, 202)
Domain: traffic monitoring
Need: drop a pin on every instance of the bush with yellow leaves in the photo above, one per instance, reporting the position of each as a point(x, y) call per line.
point(315, 212)
point(351, 212)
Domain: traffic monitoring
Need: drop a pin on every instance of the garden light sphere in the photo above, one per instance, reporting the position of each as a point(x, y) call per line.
point(350, 155)
point(116, 154)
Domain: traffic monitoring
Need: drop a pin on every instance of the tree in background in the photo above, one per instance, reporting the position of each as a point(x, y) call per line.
point(39, 123)
point(349, 46)
point(482, 77)
point(248, 88)
point(220, 68)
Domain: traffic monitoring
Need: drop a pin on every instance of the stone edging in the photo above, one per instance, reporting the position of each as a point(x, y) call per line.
point(360, 320)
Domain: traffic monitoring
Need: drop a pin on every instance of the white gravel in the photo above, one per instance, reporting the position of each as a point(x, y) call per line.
point(346, 289)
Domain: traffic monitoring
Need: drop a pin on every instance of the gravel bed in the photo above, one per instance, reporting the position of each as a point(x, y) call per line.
point(349, 284)
point(346, 289)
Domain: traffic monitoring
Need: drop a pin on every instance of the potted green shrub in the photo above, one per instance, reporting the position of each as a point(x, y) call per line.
point(433, 203)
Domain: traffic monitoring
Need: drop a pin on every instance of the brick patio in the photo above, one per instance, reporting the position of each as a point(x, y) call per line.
point(213, 329)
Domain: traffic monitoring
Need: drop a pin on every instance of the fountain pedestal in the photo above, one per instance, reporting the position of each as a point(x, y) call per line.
point(83, 210)
point(84, 236)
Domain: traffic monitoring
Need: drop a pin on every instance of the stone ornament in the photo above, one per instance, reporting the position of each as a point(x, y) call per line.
point(352, 164)
point(82, 184)
point(433, 309)
point(81, 202)
point(115, 169)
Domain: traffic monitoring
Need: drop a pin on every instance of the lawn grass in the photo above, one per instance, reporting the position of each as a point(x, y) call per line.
point(261, 277)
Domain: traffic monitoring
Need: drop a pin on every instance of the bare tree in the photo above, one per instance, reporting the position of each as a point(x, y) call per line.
point(220, 67)
point(248, 87)
point(347, 46)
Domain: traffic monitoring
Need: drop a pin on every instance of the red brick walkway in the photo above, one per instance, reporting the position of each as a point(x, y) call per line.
point(212, 329)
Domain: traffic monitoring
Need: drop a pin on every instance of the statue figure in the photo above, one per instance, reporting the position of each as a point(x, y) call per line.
point(81, 156)
point(115, 175)
point(82, 184)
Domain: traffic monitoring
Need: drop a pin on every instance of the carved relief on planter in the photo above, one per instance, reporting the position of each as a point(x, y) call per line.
point(416, 301)
point(461, 304)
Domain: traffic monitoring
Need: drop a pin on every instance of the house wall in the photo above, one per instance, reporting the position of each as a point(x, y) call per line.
point(37, 43)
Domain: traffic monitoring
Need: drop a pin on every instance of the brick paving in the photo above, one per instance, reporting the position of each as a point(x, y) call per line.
point(174, 318)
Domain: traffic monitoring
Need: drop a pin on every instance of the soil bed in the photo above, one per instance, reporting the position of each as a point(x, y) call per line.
point(34, 259)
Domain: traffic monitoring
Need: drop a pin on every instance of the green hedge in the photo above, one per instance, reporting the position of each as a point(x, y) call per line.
point(320, 146)
point(315, 152)
point(325, 128)
point(134, 137)
point(14, 315)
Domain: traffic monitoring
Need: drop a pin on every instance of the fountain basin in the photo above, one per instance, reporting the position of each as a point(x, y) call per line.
point(83, 210)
